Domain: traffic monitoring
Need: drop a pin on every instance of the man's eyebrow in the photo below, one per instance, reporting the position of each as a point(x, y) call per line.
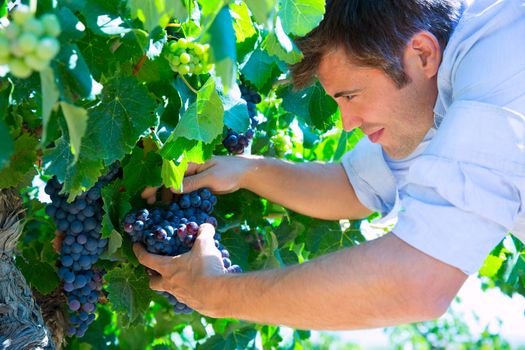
point(347, 92)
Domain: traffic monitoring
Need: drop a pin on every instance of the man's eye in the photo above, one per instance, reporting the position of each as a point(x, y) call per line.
point(349, 97)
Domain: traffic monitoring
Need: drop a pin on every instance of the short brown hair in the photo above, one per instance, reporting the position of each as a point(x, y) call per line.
point(374, 33)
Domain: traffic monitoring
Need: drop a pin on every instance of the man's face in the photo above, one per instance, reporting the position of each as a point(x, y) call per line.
point(368, 99)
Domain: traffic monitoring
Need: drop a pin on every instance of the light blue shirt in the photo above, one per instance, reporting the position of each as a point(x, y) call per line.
point(464, 189)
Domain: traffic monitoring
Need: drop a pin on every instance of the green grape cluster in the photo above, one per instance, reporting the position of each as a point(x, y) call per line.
point(187, 57)
point(27, 43)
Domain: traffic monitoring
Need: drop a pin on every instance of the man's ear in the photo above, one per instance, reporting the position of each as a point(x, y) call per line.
point(423, 52)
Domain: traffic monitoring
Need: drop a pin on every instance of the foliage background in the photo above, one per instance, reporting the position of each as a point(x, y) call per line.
point(109, 95)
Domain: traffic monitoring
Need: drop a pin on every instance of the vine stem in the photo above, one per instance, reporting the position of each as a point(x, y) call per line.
point(188, 84)
point(139, 65)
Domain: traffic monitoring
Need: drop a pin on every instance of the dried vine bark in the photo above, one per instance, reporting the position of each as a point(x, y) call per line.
point(21, 322)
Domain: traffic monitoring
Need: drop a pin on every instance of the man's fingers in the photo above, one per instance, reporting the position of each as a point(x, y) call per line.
point(194, 182)
point(156, 283)
point(205, 236)
point(149, 192)
point(159, 263)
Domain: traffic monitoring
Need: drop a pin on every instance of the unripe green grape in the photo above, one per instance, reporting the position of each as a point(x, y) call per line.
point(182, 43)
point(12, 31)
point(184, 69)
point(175, 60)
point(27, 42)
point(22, 14)
point(173, 46)
point(199, 49)
point(16, 49)
point(47, 48)
point(185, 58)
point(198, 68)
point(34, 26)
point(4, 47)
point(51, 24)
point(36, 63)
point(19, 69)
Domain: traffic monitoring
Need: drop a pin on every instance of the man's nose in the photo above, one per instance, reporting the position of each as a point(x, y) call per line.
point(350, 121)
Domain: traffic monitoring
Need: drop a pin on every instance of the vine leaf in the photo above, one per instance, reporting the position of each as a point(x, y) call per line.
point(21, 166)
point(313, 105)
point(129, 293)
point(50, 95)
point(221, 37)
point(204, 118)
point(142, 171)
point(123, 116)
point(116, 205)
point(260, 69)
point(238, 339)
point(76, 119)
point(300, 16)
point(155, 13)
point(76, 177)
point(7, 146)
point(261, 9)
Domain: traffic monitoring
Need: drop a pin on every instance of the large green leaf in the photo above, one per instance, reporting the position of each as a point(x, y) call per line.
point(72, 72)
point(155, 13)
point(238, 340)
point(242, 23)
point(235, 110)
point(260, 70)
point(261, 9)
point(312, 104)
point(77, 177)
point(76, 118)
point(22, 162)
point(204, 119)
point(6, 146)
point(300, 16)
point(129, 292)
point(280, 45)
point(93, 47)
point(103, 17)
point(50, 96)
point(116, 205)
point(124, 114)
point(221, 37)
point(39, 274)
point(142, 171)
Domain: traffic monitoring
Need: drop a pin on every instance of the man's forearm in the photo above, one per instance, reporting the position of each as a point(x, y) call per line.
point(313, 189)
point(380, 283)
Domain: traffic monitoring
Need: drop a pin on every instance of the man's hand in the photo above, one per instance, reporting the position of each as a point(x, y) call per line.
point(187, 276)
point(221, 174)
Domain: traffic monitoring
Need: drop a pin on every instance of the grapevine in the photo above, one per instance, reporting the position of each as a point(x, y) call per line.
point(81, 247)
point(27, 43)
point(172, 231)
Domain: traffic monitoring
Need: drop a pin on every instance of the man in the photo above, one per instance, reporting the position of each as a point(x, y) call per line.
point(396, 69)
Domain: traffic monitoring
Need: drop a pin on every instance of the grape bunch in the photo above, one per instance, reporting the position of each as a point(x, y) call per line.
point(27, 43)
point(172, 231)
point(187, 57)
point(234, 142)
point(81, 222)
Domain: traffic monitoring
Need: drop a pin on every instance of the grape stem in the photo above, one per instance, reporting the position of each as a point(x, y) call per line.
point(188, 84)
point(139, 65)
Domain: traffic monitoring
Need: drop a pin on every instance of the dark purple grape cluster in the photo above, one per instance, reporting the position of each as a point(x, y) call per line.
point(81, 222)
point(172, 231)
point(236, 142)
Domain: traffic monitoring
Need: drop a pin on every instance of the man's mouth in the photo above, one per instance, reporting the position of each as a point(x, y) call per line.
point(375, 136)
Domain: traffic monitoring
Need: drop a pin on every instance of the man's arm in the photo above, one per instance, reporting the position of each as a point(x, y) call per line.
point(379, 283)
point(314, 189)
